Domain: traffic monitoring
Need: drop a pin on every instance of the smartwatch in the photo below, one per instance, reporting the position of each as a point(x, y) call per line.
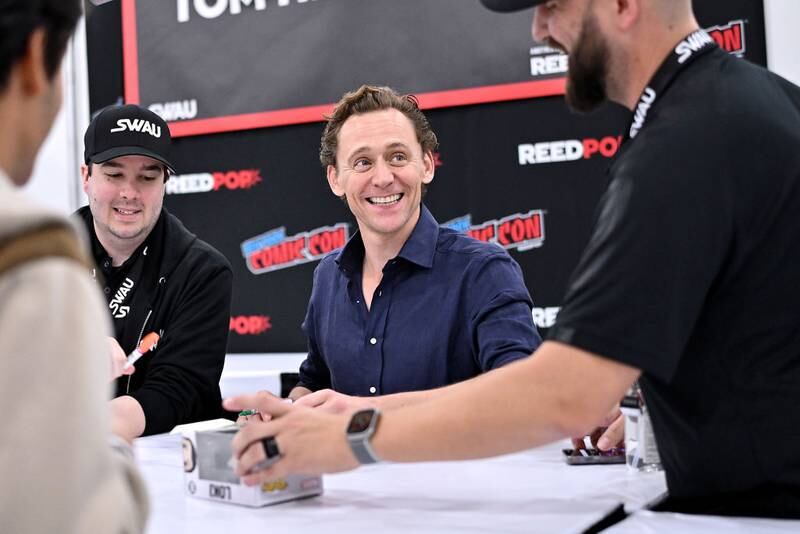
point(360, 430)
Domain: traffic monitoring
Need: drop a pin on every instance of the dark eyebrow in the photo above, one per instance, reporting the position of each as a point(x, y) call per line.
point(117, 165)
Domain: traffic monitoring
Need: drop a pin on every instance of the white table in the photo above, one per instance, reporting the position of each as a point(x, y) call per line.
point(534, 491)
point(646, 522)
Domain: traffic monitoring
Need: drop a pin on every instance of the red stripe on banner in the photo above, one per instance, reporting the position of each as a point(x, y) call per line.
point(130, 52)
point(492, 93)
point(438, 99)
point(249, 121)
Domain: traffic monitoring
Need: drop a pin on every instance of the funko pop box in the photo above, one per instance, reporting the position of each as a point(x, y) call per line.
point(208, 474)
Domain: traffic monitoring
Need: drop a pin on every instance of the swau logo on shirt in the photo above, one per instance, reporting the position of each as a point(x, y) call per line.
point(137, 125)
point(117, 309)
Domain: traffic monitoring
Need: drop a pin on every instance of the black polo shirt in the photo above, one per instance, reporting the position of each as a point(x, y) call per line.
point(692, 275)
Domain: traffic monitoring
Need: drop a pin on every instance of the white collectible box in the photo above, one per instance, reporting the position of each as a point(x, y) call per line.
point(208, 475)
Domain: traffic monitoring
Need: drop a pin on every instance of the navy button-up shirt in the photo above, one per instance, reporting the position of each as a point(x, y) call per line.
point(448, 308)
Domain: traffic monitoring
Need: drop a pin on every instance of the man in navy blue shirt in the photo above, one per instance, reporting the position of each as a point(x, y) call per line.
point(407, 305)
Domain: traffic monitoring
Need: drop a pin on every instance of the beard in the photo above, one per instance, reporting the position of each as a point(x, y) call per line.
point(588, 69)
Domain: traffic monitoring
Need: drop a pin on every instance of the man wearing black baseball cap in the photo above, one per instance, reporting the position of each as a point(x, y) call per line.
point(156, 275)
point(689, 284)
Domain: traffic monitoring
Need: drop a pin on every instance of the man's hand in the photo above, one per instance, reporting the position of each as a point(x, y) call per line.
point(614, 436)
point(609, 435)
point(127, 417)
point(309, 441)
point(332, 402)
point(257, 417)
point(118, 360)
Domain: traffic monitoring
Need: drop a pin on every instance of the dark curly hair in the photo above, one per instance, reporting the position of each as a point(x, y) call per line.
point(371, 98)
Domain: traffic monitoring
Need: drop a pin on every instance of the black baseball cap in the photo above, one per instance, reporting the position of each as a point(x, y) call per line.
point(505, 6)
point(128, 130)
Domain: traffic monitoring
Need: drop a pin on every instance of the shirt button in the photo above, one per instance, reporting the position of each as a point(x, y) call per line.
point(373, 389)
point(372, 341)
point(107, 290)
point(106, 264)
point(380, 293)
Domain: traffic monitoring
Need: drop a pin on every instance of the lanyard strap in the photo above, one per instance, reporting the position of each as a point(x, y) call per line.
point(685, 52)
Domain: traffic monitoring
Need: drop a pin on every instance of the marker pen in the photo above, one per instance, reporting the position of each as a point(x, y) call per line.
point(147, 344)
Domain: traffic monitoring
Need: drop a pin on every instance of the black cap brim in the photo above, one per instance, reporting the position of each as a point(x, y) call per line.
point(119, 151)
point(506, 6)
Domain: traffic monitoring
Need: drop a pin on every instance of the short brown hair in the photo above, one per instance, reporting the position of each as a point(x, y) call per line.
point(371, 98)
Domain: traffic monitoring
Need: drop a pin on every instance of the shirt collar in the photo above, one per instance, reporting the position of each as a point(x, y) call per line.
point(419, 248)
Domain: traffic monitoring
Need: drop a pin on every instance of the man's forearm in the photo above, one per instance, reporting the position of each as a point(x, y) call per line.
point(409, 398)
point(560, 392)
point(127, 417)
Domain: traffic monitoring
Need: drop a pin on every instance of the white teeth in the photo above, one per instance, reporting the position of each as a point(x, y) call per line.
point(385, 200)
point(125, 212)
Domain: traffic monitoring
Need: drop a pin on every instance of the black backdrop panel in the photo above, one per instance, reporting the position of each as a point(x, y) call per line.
point(295, 55)
point(525, 174)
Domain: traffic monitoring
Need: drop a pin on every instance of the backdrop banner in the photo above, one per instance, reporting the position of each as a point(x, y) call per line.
point(232, 64)
point(523, 173)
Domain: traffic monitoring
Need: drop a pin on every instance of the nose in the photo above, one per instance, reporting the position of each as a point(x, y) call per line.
point(383, 174)
point(128, 190)
point(539, 30)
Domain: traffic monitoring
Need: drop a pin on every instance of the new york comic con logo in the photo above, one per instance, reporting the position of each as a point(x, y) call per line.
point(273, 250)
point(729, 37)
point(547, 61)
point(521, 231)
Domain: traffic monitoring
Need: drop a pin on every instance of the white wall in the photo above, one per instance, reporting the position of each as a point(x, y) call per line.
point(781, 19)
point(56, 176)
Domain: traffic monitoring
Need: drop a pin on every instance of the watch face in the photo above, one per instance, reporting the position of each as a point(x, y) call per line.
point(360, 421)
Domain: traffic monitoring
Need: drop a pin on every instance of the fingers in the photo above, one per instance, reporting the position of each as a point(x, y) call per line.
point(312, 400)
point(614, 436)
point(273, 472)
point(251, 434)
point(256, 417)
point(612, 416)
point(263, 401)
point(249, 452)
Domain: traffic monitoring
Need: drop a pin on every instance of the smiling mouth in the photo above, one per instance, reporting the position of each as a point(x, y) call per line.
point(123, 211)
point(384, 201)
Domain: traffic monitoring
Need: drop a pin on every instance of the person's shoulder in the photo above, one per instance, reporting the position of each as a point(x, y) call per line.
point(721, 89)
point(19, 214)
point(327, 268)
point(207, 253)
point(460, 245)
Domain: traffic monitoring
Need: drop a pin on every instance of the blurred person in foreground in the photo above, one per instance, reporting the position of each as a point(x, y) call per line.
point(57, 448)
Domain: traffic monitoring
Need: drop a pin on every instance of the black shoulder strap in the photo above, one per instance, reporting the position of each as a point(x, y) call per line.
point(53, 240)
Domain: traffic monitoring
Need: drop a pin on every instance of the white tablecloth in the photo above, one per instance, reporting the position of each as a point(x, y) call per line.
point(534, 491)
point(646, 522)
